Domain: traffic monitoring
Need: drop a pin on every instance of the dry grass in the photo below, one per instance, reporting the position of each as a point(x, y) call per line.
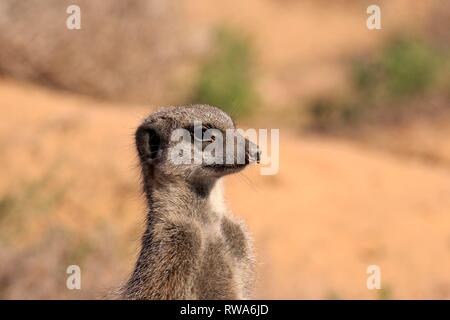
point(133, 51)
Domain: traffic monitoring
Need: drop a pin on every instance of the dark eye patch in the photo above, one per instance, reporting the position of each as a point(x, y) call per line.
point(195, 133)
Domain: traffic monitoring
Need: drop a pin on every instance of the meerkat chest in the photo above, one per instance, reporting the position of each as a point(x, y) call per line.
point(228, 232)
point(221, 272)
point(223, 228)
point(212, 231)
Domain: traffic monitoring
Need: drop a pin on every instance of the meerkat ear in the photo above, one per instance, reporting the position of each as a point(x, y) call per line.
point(148, 142)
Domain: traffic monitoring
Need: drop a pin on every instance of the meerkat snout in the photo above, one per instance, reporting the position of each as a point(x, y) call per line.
point(254, 153)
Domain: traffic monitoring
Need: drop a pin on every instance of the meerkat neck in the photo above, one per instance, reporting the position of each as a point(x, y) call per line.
point(202, 199)
point(173, 201)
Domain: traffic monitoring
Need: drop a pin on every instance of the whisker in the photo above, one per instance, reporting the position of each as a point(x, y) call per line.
point(248, 181)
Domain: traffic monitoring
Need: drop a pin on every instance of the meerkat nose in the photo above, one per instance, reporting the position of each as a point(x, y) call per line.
point(253, 154)
point(258, 156)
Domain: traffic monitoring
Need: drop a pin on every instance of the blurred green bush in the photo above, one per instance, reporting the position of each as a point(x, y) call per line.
point(381, 85)
point(225, 80)
point(405, 67)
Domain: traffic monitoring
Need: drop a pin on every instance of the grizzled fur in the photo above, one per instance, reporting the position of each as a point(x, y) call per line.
point(192, 247)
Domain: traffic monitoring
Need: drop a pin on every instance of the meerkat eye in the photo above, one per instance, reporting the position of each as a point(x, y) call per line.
point(199, 135)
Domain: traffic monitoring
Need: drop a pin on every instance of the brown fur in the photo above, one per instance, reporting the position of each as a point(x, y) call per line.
point(192, 247)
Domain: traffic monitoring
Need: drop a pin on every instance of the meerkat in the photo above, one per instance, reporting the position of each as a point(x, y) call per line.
point(192, 248)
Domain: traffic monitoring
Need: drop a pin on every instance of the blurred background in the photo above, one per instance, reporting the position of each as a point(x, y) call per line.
point(364, 118)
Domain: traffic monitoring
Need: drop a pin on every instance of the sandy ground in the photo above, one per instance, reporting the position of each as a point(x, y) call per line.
point(333, 209)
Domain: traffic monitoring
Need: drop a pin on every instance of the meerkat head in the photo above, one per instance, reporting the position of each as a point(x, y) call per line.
point(192, 143)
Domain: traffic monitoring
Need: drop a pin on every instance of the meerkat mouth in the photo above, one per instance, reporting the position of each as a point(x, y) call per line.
point(227, 167)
